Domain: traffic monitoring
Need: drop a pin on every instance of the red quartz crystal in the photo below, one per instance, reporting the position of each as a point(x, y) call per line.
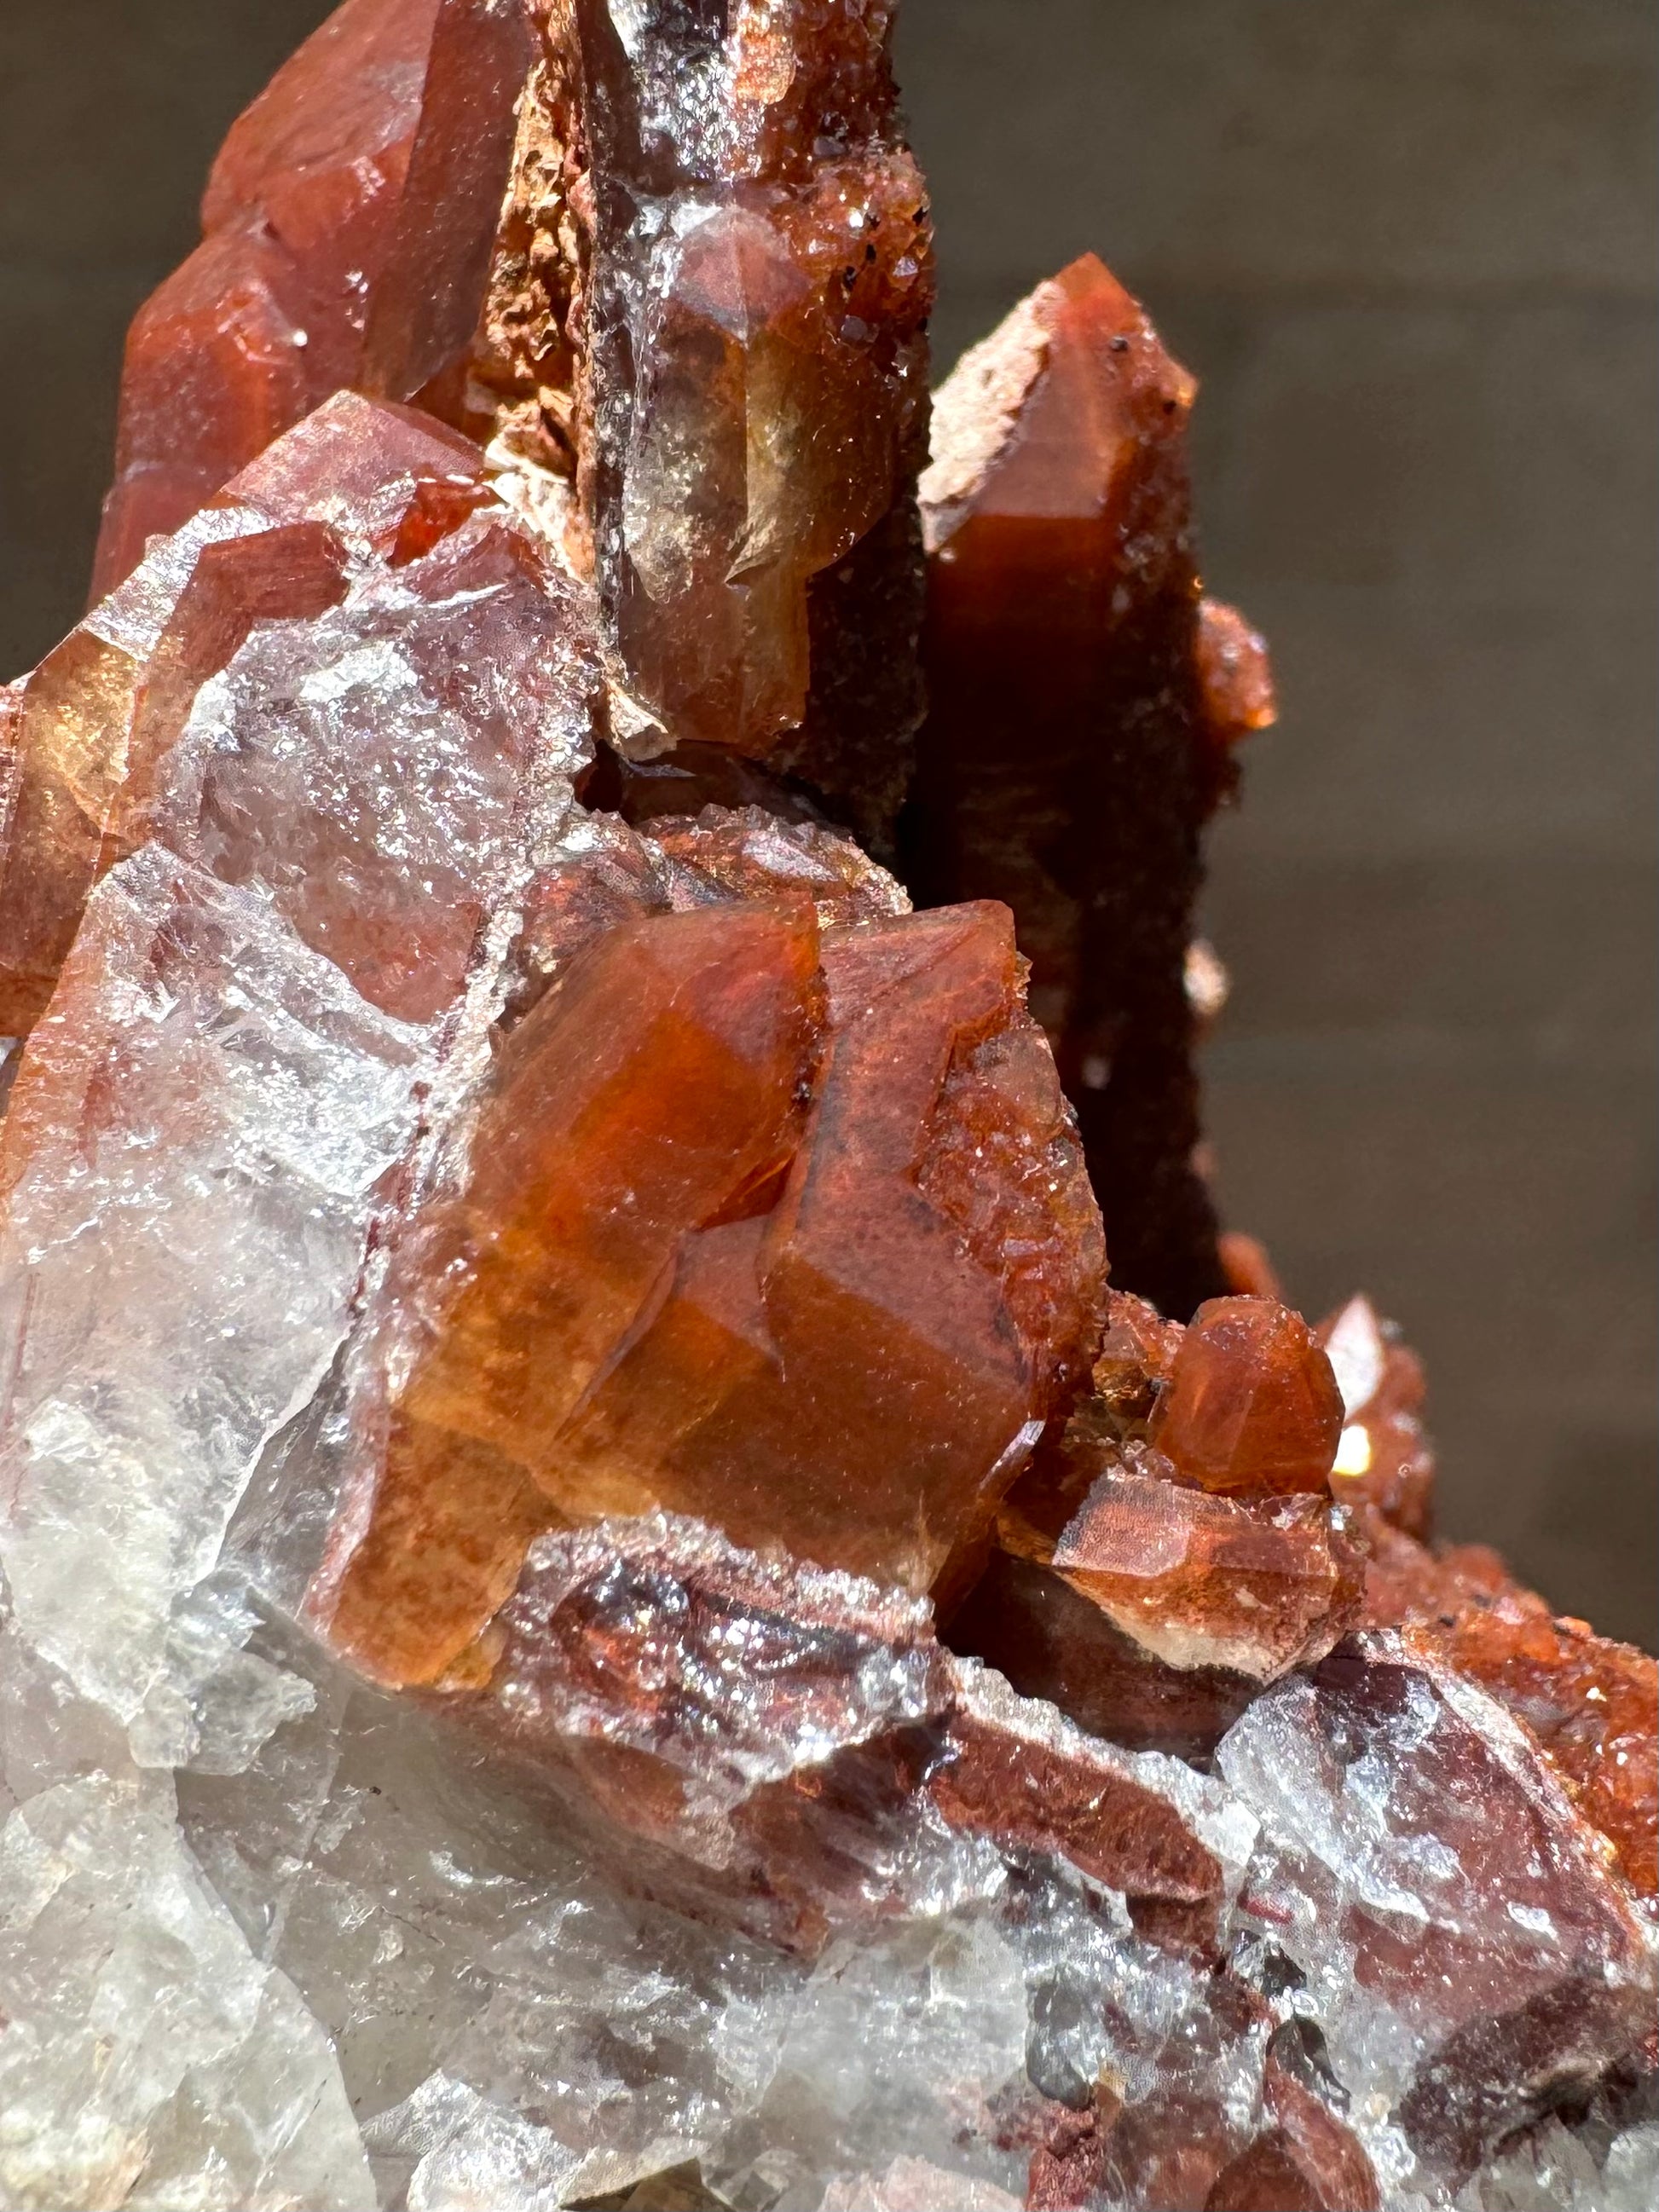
point(668, 1284)
point(754, 414)
point(1119, 1587)
point(715, 334)
point(895, 1331)
point(656, 1087)
point(1252, 1409)
point(1251, 1586)
point(348, 226)
point(1383, 1458)
point(1078, 700)
point(1188, 1503)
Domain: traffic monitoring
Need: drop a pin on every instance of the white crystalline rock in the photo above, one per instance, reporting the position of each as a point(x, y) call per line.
point(215, 1703)
point(1450, 1917)
point(389, 772)
point(508, 2027)
point(848, 2087)
point(911, 2184)
point(1556, 2170)
point(190, 1181)
point(466, 2153)
point(1630, 2176)
point(341, 832)
point(147, 2058)
point(190, 1185)
point(1106, 2005)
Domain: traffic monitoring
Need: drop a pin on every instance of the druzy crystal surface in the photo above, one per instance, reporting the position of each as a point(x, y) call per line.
point(651, 1552)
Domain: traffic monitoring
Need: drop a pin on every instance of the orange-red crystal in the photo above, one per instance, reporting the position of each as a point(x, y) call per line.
point(1252, 1409)
point(783, 1229)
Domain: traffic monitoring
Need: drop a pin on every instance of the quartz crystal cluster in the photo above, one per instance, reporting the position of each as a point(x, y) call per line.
point(605, 1598)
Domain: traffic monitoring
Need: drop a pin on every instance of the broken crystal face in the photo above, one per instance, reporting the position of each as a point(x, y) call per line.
point(600, 1604)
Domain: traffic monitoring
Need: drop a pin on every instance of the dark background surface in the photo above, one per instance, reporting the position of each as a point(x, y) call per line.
point(1406, 246)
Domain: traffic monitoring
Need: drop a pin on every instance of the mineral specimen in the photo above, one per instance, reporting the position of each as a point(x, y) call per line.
point(754, 409)
point(680, 255)
point(599, 1605)
point(347, 223)
point(1187, 1502)
point(1083, 698)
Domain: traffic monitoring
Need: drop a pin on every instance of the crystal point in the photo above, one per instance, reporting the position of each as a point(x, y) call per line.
point(1251, 1408)
point(715, 1256)
point(348, 226)
point(229, 701)
point(1081, 705)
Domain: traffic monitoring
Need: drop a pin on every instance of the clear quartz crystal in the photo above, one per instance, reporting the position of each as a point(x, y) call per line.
point(1450, 1920)
point(150, 2058)
point(210, 1106)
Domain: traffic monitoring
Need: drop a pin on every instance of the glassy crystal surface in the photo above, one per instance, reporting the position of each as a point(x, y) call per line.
point(1177, 1542)
point(600, 1602)
point(1250, 1406)
point(206, 704)
point(348, 223)
point(1082, 703)
point(719, 1251)
point(756, 288)
point(1470, 1957)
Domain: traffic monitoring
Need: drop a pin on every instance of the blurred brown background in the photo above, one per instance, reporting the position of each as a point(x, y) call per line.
point(1407, 246)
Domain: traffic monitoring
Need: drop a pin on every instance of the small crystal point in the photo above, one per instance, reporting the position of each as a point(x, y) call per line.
point(1252, 1407)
